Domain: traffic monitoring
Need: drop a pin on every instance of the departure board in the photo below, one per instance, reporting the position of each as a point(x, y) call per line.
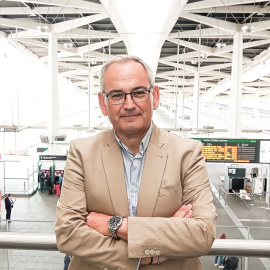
point(231, 150)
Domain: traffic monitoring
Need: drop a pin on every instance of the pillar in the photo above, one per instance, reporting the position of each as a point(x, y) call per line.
point(235, 105)
point(53, 105)
point(257, 105)
point(195, 107)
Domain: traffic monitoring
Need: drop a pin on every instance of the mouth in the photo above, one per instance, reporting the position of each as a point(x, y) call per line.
point(130, 116)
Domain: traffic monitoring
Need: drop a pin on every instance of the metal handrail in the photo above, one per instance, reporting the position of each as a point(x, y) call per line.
point(28, 220)
point(227, 247)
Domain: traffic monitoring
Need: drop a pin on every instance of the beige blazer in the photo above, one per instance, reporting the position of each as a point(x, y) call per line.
point(174, 174)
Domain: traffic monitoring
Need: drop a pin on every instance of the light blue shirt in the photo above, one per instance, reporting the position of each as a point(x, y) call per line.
point(133, 165)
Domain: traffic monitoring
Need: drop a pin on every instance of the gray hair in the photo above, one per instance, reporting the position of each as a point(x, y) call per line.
point(121, 59)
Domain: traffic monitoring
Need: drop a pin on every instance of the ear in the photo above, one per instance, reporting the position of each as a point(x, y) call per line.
point(155, 97)
point(102, 104)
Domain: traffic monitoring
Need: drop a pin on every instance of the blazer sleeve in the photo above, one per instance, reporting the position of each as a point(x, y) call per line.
point(179, 237)
point(73, 235)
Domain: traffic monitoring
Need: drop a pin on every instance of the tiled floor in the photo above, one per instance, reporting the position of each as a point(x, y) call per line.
point(37, 214)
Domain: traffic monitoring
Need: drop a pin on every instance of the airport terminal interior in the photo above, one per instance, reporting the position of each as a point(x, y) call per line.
point(211, 62)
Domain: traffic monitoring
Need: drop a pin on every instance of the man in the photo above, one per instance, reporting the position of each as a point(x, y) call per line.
point(41, 180)
point(135, 197)
point(8, 206)
point(60, 181)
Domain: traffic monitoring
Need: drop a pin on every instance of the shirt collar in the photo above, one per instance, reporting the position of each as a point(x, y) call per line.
point(144, 142)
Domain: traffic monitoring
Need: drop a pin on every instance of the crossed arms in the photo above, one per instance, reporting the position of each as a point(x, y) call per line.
point(99, 222)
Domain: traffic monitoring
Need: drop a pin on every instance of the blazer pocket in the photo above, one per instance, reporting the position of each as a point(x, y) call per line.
point(170, 190)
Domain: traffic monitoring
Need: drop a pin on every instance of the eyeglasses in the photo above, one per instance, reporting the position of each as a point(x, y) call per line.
point(140, 95)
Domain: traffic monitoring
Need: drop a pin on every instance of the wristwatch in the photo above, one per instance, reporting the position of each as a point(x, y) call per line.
point(113, 224)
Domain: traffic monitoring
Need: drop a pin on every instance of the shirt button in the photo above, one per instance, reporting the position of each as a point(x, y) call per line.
point(158, 252)
point(152, 252)
point(147, 252)
point(136, 162)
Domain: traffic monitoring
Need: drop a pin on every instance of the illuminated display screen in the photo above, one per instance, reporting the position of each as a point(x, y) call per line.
point(234, 150)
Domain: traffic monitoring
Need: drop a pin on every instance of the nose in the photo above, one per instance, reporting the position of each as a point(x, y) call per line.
point(129, 103)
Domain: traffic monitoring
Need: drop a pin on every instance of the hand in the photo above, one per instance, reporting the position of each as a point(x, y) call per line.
point(185, 211)
point(98, 222)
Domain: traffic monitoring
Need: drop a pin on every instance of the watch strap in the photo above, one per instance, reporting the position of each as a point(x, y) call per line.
point(113, 230)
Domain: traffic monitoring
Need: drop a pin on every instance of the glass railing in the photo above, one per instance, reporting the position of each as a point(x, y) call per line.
point(19, 177)
point(33, 244)
point(27, 226)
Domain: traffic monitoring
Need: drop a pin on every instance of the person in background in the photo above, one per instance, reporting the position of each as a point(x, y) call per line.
point(67, 259)
point(60, 181)
point(8, 205)
point(231, 263)
point(56, 185)
point(221, 236)
point(135, 195)
point(41, 180)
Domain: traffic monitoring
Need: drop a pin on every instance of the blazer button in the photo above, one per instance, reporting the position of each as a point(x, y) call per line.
point(147, 252)
point(152, 252)
point(158, 252)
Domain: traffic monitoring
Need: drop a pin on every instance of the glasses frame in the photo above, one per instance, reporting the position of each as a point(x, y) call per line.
point(130, 93)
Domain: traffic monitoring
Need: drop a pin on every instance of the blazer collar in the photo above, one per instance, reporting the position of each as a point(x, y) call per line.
point(115, 175)
point(154, 166)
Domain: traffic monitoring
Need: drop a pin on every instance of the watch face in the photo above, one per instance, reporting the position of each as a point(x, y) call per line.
point(115, 221)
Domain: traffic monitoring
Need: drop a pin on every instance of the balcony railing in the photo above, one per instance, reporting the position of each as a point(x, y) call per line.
point(227, 247)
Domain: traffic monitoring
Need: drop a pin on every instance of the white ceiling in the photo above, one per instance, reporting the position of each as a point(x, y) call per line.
point(169, 38)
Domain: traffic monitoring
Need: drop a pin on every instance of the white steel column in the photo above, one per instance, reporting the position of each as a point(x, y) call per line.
point(53, 122)
point(89, 79)
point(257, 105)
point(195, 106)
point(235, 106)
point(92, 100)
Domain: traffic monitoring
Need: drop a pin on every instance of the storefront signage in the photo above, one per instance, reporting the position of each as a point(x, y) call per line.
point(52, 157)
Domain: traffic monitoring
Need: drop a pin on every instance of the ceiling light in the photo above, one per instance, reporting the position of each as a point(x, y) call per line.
point(204, 55)
point(221, 45)
point(43, 28)
point(68, 45)
point(94, 61)
point(247, 29)
point(193, 62)
point(85, 56)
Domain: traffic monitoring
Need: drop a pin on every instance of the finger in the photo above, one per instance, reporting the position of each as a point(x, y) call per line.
point(189, 214)
point(88, 220)
point(183, 210)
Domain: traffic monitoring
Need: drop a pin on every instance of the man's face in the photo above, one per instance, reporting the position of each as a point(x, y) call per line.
point(130, 118)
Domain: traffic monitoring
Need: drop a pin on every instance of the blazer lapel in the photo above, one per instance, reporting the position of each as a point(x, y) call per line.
point(114, 170)
point(154, 166)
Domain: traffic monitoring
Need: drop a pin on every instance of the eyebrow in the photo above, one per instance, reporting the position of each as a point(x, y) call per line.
point(132, 90)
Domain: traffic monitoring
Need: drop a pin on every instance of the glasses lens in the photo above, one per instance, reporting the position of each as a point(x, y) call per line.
point(137, 96)
point(116, 98)
point(140, 96)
